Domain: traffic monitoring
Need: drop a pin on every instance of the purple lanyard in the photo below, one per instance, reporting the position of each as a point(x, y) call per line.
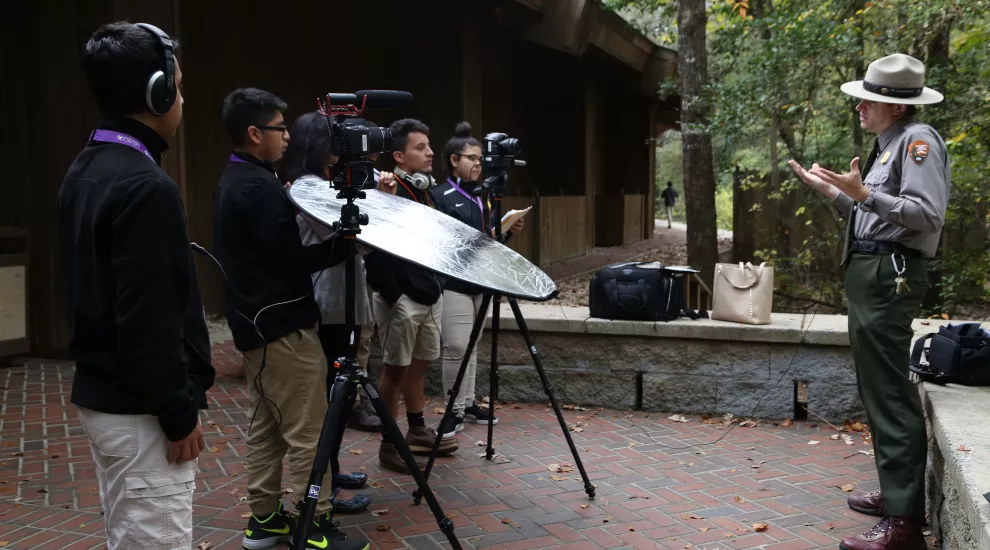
point(475, 200)
point(235, 158)
point(109, 136)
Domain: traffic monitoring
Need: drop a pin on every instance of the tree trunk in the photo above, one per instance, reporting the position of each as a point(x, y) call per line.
point(699, 174)
point(937, 65)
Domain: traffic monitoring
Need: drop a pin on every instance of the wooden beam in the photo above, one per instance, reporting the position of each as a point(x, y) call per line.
point(591, 160)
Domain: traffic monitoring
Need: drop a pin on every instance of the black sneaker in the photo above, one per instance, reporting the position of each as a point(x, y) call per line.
point(451, 427)
point(324, 535)
point(269, 531)
point(477, 415)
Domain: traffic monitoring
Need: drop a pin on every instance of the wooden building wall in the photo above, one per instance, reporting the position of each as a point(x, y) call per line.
point(461, 60)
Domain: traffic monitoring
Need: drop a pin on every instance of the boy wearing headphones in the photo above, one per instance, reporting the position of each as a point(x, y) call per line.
point(273, 318)
point(136, 320)
point(408, 305)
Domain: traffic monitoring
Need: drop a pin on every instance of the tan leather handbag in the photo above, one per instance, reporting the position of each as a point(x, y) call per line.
point(743, 293)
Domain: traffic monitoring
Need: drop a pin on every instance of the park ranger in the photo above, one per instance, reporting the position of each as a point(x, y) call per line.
point(894, 211)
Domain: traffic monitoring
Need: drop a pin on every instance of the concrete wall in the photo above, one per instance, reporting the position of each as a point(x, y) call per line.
point(685, 366)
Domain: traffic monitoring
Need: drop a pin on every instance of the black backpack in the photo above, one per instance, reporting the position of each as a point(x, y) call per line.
point(639, 291)
point(958, 353)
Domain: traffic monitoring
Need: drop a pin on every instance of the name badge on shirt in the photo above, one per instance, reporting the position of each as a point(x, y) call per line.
point(885, 157)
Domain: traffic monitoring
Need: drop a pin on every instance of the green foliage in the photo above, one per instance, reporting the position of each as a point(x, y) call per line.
point(776, 67)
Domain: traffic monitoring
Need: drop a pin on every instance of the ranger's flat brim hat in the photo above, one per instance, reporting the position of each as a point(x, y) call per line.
point(897, 78)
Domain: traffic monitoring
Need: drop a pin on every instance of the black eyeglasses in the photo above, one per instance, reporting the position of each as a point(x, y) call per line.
point(273, 128)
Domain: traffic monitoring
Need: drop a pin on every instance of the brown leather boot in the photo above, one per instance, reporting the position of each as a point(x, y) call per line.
point(870, 503)
point(389, 458)
point(892, 533)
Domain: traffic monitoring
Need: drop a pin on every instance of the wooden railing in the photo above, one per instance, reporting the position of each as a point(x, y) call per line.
point(697, 293)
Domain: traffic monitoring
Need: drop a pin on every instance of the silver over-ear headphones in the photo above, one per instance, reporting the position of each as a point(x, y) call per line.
point(418, 180)
point(160, 92)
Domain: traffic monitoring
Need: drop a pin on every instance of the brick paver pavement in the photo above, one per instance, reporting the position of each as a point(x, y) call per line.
point(654, 489)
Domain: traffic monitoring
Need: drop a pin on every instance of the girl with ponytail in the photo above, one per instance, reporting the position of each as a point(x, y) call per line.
point(462, 301)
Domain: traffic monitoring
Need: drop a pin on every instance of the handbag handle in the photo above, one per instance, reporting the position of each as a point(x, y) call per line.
point(751, 273)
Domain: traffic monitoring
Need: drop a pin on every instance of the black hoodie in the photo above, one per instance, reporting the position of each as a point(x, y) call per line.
point(392, 277)
point(137, 328)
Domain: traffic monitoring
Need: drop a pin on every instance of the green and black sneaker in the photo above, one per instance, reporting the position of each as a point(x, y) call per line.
point(324, 535)
point(267, 532)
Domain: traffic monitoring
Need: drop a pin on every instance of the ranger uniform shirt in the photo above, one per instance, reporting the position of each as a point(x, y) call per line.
point(909, 189)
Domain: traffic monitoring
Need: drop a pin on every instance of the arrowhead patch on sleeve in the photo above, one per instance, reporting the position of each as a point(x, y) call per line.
point(918, 151)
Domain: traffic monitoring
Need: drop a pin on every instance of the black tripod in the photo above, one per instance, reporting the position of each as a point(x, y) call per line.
point(492, 188)
point(350, 376)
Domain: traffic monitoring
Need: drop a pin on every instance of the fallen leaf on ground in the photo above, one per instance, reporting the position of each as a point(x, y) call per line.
point(787, 423)
point(55, 455)
point(213, 449)
point(631, 529)
point(18, 453)
point(377, 513)
point(692, 516)
point(242, 499)
point(834, 437)
point(813, 442)
point(678, 418)
point(287, 490)
point(962, 448)
point(506, 521)
point(740, 500)
point(606, 520)
point(375, 484)
point(574, 408)
point(479, 443)
point(848, 488)
point(830, 526)
point(516, 407)
point(439, 410)
point(584, 506)
point(762, 526)
point(559, 478)
point(748, 424)
point(383, 528)
point(204, 546)
point(704, 529)
point(246, 515)
point(855, 426)
point(561, 468)
point(732, 471)
point(354, 451)
point(3, 543)
point(43, 491)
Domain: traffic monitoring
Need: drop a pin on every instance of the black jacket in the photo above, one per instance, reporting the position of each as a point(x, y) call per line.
point(454, 204)
point(257, 242)
point(137, 328)
point(392, 277)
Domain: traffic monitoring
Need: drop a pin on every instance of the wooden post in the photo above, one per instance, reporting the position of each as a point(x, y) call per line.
point(591, 165)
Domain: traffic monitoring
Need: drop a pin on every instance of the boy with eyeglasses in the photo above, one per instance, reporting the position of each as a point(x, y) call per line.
point(273, 317)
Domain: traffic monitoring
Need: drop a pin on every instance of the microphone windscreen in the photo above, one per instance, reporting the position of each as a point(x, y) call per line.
point(343, 99)
point(385, 99)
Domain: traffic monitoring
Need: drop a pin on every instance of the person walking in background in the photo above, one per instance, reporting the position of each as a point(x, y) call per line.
point(669, 198)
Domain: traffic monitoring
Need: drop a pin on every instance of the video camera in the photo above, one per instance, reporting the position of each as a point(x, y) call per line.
point(352, 143)
point(498, 153)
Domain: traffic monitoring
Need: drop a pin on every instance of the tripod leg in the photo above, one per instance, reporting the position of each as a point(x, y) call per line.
point(393, 434)
point(548, 388)
point(493, 393)
point(479, 322)
point(341, 400)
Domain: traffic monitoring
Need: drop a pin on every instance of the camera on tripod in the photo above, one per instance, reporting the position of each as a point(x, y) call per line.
point(353, 143)
point(498, 153)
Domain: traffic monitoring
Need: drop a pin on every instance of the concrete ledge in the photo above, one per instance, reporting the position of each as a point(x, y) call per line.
point(956, 479)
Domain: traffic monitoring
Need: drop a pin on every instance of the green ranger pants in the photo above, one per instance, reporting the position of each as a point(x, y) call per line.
point(880, 333)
